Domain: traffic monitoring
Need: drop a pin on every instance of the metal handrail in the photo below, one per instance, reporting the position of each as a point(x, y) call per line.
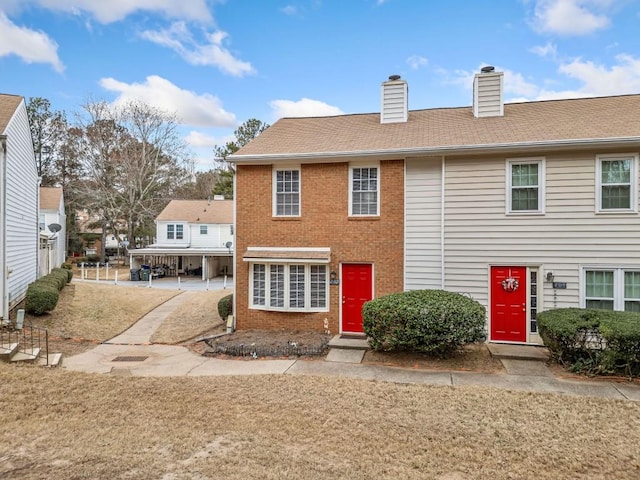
point(27, 338)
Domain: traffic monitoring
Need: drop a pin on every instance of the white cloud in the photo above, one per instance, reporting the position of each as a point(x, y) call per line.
point(199, 110)
point(201, 140)
point(213, 53)
point(416, 61)
point(621, 78)
point(289, 10)
point(30, 45)
point(303, 108)
point(571, 17)
point(548, 50)
point(108, 11)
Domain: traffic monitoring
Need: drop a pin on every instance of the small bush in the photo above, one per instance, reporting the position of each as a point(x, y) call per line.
point(41, 298)
point(225, 307)
point(593, 341)
point(432, 321)
point(67, 270)
point(61, 275)
point(66, 266)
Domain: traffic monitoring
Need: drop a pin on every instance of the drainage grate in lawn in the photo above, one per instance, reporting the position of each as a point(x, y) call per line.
point(124, 358)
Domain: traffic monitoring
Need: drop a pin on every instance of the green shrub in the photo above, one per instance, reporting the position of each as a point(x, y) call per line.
point(41, 298)
point(432, 321)
point(60, 275)
point(225, 306)
point(66, 266)
point(65, 273)
point(593, 341)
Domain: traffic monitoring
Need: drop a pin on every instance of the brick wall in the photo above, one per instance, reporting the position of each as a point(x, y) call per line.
point(324, 222)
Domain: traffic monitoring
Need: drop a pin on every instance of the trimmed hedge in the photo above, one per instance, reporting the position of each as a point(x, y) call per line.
point(41, 298)
point(225, 307)
point(43, 294)
point(596, 342)
point(432, 321)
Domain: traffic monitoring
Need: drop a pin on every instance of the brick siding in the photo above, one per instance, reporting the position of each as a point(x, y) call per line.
point(324, 222)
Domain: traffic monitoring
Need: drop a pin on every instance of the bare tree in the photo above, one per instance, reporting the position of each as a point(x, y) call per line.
point(134, 160)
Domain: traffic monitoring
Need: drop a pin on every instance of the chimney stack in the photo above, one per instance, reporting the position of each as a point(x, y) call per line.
point(395, 94)
point(487, 93)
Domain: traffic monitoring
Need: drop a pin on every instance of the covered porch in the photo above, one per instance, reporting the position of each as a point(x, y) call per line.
point(181, 262)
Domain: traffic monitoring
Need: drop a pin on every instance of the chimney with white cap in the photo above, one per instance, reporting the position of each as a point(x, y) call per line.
point(395, 103)
point(487, 93)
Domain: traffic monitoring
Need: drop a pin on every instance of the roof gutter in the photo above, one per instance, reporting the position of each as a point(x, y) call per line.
point(478, 149)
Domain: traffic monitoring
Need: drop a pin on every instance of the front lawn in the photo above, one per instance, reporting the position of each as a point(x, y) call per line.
point(59, 424)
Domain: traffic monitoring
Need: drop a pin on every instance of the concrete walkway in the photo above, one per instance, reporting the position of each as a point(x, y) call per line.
point(132, 354)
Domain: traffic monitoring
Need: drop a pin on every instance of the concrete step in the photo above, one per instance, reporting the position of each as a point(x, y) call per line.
point(55, 360)
point(350, 342)
point(7, 350)
point(518, 352)
point(30, 355)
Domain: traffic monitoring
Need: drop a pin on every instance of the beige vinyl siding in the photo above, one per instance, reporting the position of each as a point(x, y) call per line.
point(569, 235)
point(22, 208)
point(423, 265)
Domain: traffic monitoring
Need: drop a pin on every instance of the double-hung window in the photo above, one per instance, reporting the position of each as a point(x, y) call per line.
point(175, 231)
point(525, 185)
point(204, 229)
point(364, 191)
point(286, 193)
point(612, 289)
point(289, 287)
point(617, 183)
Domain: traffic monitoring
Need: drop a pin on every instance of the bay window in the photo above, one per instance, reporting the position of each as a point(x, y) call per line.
point(288, 287)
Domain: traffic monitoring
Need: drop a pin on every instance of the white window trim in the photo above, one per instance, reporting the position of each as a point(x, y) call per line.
point(618, 283)
point(541, 161)
point(274, 189)
point(307, 288)
point(173, 231)
point(634, 182)
point(352, 166)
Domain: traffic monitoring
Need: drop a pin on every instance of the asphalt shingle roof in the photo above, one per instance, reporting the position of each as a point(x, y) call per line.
point(552, 121)
point(198, 211)
point(8, 106)
point(50, 198)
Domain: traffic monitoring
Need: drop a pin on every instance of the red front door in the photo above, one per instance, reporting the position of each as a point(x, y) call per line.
point(356, 290)
point(509, 304)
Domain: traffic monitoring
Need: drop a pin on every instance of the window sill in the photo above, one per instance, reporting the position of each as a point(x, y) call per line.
point(285, 310)
point(363, 218)
point(525, 214)
point(286, 219)
point(616, 212)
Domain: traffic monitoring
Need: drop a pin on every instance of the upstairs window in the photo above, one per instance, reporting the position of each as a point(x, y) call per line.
point(175, 232)
point(364, 191)
point(203, 229)
point(286, 201)
point(617, 183)
point(525, 186)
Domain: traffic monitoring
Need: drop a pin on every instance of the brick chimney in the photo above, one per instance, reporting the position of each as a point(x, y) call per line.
point(487, 93)
point(395, 93)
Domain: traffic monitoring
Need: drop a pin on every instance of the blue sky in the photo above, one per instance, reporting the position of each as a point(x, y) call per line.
point(218, 63)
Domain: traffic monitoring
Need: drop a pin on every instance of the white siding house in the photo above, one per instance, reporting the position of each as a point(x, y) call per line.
point(52, 216)
point(193, 237)
point(18, 204)
point(524, 206)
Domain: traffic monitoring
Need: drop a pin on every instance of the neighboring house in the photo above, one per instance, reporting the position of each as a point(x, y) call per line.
point(193, 237)
point(18, 204)
point(90, 236)
point(52, 226)
point(525, 207)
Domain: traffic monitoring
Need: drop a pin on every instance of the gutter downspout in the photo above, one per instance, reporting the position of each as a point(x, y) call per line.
point(442, 246)
point(3, 224)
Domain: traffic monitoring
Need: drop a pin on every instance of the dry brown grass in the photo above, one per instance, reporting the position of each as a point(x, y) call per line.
point(199, 314)
point(87, 313)
point(58, 424)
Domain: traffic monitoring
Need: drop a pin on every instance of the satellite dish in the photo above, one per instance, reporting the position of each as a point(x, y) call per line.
point(228, 244)
point(54, 227)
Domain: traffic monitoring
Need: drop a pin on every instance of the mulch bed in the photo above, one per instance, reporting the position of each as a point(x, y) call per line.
point(267, 343)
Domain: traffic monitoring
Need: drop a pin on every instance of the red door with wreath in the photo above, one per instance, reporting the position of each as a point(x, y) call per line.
point(509, 304)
